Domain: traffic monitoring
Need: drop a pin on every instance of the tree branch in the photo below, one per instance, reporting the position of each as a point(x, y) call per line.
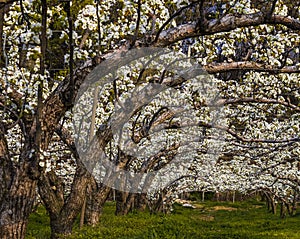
point(177, 13)
point(225, 24)
point(259, 101)
point(248, 65)
point(138, 21)
point(247, 140)
point(55, 105)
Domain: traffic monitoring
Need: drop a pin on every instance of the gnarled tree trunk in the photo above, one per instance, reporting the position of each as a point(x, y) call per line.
point(16, 207)
point(17, 193)
point(94, 204)
point(63, 211)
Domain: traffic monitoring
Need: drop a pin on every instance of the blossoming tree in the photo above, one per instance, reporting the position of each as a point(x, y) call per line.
point(48, 48)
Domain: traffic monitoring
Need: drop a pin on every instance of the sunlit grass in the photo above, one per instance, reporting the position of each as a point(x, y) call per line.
point(210, 220)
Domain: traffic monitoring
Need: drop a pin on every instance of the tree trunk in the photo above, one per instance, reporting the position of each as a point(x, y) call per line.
point(17, 191)
point(2, 60)
point(3, 10)
point(294, 204)
point(94, 204)
point(141, 202)
point(159, 204)
point(59, 227)
point(272, 203)
point(217, 196)
point(121, 198)
point(63, 212)
point(282, 210)
point(125, 203)
point(16, 207)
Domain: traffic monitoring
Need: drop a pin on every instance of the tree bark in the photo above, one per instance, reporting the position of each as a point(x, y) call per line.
point(94, 204)
point(125, 202)
point(16, 206)
point(2, 60)
point(17, 191)
point(120, 202)
point(63, 211)
point(4, 9)
point(283, 210)
point(141, 202)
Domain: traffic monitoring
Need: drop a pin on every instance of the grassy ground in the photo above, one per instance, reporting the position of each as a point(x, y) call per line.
point(209, 220)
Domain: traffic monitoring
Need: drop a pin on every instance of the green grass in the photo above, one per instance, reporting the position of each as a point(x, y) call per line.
point(244, 220)
point(38, 227)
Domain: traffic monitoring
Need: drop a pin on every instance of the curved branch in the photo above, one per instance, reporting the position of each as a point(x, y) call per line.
point(225, 24)
point(259, 101)
point(248, 65)
point(177, 13)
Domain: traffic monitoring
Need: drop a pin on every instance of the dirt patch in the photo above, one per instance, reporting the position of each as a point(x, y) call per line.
point(218, 208)
point(199, 206)
point(257, 206)
point(204, 217)
point(207, 218)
